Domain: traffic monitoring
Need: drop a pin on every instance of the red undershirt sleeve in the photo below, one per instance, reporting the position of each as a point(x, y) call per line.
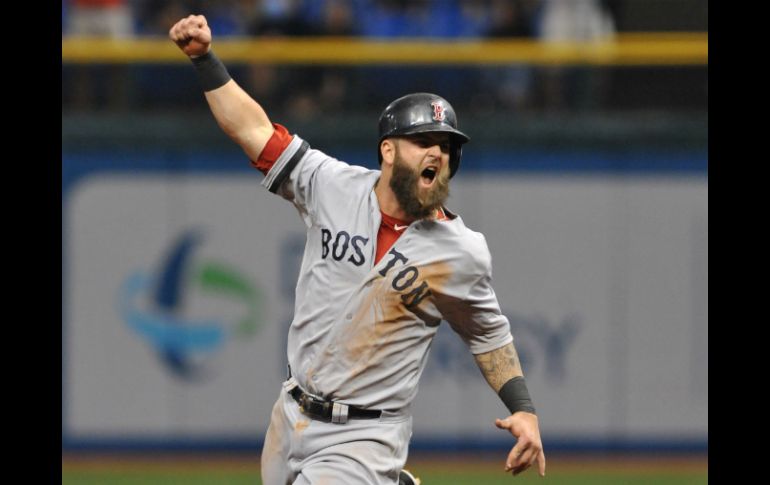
point(273, 149)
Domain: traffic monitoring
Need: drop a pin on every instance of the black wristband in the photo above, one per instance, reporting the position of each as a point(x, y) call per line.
point(515, 396)
point(211, 72)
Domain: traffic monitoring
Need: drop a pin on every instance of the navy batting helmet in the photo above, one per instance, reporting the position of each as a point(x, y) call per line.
point(423, 113)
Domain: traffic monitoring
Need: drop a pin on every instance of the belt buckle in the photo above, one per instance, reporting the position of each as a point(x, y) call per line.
point(327, 411)
point(315, 408)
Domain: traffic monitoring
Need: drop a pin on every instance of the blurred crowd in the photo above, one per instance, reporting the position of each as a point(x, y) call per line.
point(367, 18)
point(310, 89)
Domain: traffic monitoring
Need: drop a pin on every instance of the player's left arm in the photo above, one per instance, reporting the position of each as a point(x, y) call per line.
point(502, 370)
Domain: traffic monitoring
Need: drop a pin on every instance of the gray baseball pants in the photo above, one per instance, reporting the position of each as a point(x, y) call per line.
point(299, 450)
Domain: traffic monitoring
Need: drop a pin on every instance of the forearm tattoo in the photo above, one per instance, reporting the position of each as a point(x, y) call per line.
point(499, 366)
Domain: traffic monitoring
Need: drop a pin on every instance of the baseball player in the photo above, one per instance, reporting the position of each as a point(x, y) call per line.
point(385, 262)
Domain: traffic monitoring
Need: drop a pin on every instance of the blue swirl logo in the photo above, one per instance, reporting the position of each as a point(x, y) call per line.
point(152, 305)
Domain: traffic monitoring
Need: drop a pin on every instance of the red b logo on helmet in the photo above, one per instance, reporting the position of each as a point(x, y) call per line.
point(438, 111)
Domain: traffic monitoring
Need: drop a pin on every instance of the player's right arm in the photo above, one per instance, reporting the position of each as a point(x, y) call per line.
point(237, 113)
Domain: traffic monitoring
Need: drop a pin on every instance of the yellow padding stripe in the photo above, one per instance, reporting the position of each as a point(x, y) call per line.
point(624, 49)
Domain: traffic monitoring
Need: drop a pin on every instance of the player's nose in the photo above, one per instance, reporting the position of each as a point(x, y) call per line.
point(435, 151)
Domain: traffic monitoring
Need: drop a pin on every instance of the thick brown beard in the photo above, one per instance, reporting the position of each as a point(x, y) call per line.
point(404, 182)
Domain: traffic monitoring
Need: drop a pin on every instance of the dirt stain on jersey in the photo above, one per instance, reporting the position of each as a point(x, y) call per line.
point(301, 425)
point(383, 316)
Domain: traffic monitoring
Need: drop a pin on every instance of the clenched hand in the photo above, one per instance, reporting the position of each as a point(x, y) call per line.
point(192, 34)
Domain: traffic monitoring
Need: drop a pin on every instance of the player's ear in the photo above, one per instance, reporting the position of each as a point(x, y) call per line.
point(388, 150)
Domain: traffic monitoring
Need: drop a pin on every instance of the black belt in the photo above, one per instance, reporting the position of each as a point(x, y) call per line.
point(325, 410)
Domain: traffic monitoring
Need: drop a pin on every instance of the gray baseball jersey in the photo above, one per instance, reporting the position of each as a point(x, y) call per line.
point(362, 331)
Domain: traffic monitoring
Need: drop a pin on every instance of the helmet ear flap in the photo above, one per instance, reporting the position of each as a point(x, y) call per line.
point(455, 155)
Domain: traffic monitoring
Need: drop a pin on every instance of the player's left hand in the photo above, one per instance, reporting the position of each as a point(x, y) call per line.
point(528, 448)
point(192, 34)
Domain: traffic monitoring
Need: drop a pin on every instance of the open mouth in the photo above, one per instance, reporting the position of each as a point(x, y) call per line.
point(428, 175)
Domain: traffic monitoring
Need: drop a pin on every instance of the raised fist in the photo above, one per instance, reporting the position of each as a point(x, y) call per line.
point(192, 34)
